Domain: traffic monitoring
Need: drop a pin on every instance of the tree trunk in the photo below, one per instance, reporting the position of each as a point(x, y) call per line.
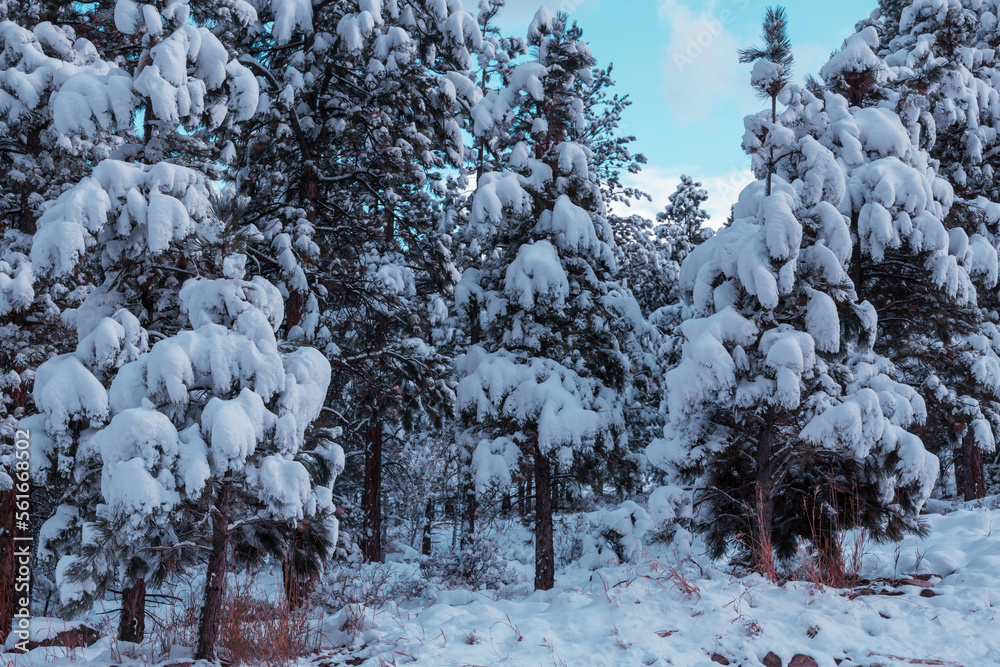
point(371, 498)
point(545, 562)
point(7, 561)
point(969, 469)
point(471, 508)
point(295, 592)
point(770, 157)
point(425, 547)
point(132, 623)
point(763, 520)
point(215, 576)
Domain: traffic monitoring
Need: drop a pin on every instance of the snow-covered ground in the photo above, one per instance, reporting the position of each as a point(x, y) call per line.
point(659, 611)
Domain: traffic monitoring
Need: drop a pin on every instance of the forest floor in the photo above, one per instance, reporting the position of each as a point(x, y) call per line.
point(929, 601)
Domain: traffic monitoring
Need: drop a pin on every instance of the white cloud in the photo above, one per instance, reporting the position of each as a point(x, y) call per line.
point(701, 69)
point(723, 190)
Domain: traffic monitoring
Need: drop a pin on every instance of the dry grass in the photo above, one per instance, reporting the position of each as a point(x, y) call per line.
point(681, 581)
point(823, 560)
point(833, 569)
point(261, 631)
point(675, 576)
point(761, 546)
point(255, 630)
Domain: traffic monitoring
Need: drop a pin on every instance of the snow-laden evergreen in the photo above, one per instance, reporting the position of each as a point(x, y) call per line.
point(780, 412)
point(546, 380)
point(921, 85)
point(214, 411)
point(944, 60)
point(238, 235)
point(349, 151)
point(683, 223)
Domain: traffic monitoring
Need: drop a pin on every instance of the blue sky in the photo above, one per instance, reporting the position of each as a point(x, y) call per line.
point(677, 61)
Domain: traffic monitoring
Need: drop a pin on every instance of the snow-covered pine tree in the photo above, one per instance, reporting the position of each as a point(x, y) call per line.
point(682, 222)
point(235, 426)
point(494, 59)
point(547, 380)
point(201, 440)
point(650, 258)
point(350, 152)
point(651, 253)
point(928, 255)
point(197, 440)
point(611, 154)
point(644, 257)
point(681, 228)
point(121, 236)
point(780, 413)
point(945, 70)
point(772, 68)
point(70, 395)
point(191, 92)
point(648, 272)
point(43, 68)
point(611, 150)
point(118, 224)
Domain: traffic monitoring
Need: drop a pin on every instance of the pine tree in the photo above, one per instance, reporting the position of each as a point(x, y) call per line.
point(945, 260)
point(685, 218)
point(117, 243)
point(772, 69)
point(682, 223)
point(644, 260)
point(351, 154)
point(780, 411)
point(547, 380)
point(46, 72)
point(156, 210)
point(946, 72)
point(205, 438)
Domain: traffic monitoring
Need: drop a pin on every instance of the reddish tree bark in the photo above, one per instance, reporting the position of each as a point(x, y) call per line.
point(132, 623)
point(763, 520)
point(969, 475)
point(371, 498)
point(289, 572)
point(545, 561)
point(215, 576)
